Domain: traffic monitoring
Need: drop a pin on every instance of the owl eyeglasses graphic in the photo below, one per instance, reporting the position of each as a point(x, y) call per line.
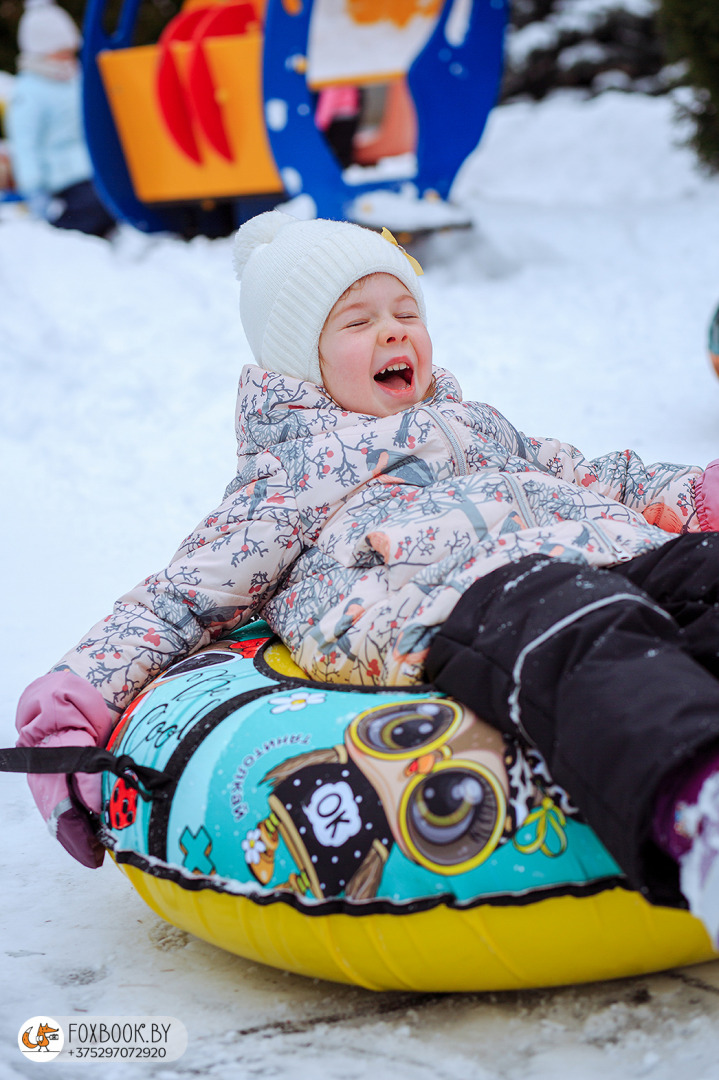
point(452, 808)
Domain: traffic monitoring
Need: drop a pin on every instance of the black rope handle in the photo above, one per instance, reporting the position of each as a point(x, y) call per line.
point(149, 783)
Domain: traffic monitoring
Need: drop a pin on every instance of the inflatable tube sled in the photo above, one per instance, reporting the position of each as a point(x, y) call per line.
point(385, 838)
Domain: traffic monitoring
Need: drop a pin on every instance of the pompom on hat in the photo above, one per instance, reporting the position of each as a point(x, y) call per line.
point(292, 274)
point(46, 28)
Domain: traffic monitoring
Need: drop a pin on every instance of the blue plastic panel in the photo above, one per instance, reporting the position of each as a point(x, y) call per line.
point(454, 84)
point(112, 178)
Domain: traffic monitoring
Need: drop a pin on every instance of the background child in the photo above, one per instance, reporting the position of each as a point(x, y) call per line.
point(390, 532)
point(50, 161)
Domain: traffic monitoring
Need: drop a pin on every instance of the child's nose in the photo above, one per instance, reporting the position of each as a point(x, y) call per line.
point(395, 332)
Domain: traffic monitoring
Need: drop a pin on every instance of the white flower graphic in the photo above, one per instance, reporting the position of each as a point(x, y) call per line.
point(299, 699)
point(253, 846)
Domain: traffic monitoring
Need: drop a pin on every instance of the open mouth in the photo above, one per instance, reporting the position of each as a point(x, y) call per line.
point(396, 376)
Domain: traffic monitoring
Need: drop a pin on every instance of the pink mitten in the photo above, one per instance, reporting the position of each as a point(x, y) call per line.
point(706, 496)
point(61, 709)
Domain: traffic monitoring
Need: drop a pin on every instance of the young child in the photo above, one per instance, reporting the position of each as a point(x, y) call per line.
point(50, 160)
point(391, 533)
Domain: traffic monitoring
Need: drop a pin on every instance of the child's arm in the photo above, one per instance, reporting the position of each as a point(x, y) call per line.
point(664, 493)
point(217, 580)
point(24, 123)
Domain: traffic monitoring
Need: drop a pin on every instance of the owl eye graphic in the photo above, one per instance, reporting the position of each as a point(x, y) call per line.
point(402, 729)
point(452, 818)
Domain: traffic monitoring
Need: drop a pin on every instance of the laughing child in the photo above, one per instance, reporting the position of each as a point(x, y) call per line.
point(391, 533)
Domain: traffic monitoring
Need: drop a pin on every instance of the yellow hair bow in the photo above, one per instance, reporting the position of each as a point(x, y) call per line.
point(387, 235)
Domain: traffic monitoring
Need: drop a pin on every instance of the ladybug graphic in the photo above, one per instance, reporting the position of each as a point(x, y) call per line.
point(122, 808)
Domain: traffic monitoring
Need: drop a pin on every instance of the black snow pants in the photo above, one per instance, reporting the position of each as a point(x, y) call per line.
point(613, 675)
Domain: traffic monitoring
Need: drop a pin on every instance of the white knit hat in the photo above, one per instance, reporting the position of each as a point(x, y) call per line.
point(46, 28)
point(293, 272)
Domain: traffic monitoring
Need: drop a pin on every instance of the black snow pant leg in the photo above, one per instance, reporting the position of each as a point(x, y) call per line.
point(592, 670)
point(83, 210)
point(683, 577)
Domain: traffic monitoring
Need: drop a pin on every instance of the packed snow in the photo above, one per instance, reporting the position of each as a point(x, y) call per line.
point(578, 305)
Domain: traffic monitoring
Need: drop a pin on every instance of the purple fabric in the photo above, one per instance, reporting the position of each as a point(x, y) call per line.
point(75, 832)
point(706, 497)
point(681, 790)
point(61, 709)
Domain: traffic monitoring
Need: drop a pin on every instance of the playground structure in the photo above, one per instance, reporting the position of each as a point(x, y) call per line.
point(217, 121)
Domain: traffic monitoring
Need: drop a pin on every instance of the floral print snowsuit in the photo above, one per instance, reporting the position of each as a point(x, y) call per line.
point(354, 536)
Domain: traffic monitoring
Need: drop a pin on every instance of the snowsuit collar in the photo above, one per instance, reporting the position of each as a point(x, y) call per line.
point(273, 409)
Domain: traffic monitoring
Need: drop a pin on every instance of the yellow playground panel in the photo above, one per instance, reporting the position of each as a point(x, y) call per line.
point(160, 170)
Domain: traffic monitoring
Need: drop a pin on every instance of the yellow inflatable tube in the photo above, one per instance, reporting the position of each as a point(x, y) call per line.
point(384, 839)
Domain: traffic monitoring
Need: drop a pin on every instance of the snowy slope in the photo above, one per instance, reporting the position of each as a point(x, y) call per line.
point(579, 308)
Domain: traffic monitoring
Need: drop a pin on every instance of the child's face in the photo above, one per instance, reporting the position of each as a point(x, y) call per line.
point(375, 352)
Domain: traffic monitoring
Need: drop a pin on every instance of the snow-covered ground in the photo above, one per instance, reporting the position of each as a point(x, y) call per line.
point(579, 307)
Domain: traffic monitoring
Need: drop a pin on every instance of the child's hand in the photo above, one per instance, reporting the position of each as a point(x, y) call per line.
point(61, 709)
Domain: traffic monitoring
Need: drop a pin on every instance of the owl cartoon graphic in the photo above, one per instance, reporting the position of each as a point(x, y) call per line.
point(424, 774)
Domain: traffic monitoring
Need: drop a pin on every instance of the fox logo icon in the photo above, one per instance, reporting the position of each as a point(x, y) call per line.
point(40, 1038)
